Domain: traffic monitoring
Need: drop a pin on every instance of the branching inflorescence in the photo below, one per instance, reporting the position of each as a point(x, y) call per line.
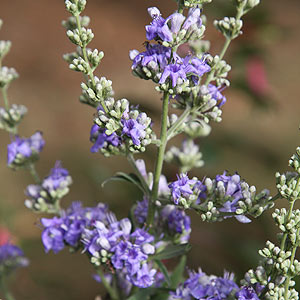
point(130, 253)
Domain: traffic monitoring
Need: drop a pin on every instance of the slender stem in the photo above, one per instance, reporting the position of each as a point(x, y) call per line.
point(239, 14)
point(5, 97)
point(138, 173)
point(3, 287)
point(90, 71)
point(159, 160)
point(112, 293)
point(180, 6)
point(178, 122)
point(34, 173)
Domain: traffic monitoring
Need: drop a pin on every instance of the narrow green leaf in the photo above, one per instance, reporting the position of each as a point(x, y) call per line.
point(120, 176)
point(164, 270)
point(177, 274)
point(172, 251)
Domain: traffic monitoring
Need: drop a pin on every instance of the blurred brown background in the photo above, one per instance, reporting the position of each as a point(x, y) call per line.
point(258, 134)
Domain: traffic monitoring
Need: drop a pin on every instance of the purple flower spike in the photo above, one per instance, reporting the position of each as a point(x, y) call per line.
point(101, 139)
point(247, 293)
point(58, 178)
point(11, 257)
point(22, 149)
point(216, 94)
point(174, 72)
point(134, 130)
point(182, 187)
point(193, 18)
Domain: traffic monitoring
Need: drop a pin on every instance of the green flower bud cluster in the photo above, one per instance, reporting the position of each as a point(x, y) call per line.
point(279, 293)
point(119, 111)
point(206, 107)
point(80, 37)
point(49, 200)
point(193, 33)
point(182, 86)
point(294, 162)
point(187, 157)
point(254, 204)
point(197, 128)
point(259, 275)
point(77, 63)
point(288, 185)
point(75, 7)
point(10, 118)
point(195, 3)
point(100, 257)
point(200, 47)
point(95, 93)
point(246, 5)
point(229, 27)
point(71, 23)
point(85, 60)
point(289, 224)
point(192, 127)
point(216, 199)
point(7, 75)
point(221, 69)
point(4, 48)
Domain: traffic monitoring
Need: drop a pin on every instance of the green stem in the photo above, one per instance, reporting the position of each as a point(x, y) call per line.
point(90, 71)
point(180, 6)
point(5, 97)
point(178, 122)
point(3, 287)
point(228, 40)
point(112, 293)
point(131, 161)
point(159, 160)
point(34, 173)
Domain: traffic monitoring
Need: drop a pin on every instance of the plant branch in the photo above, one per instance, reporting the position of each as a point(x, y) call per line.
point(90, 71)
point(159, 160)
point(112, 293)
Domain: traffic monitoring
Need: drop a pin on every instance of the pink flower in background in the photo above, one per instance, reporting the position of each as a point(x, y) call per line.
point(256, 76)
point(5, 236)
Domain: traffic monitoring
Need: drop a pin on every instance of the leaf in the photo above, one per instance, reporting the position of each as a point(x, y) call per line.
point(120, 176)
point(177, 274)
point(172, 251)
point(164, 270)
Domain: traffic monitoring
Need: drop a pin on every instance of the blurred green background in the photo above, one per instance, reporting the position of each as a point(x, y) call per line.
point(258, 134)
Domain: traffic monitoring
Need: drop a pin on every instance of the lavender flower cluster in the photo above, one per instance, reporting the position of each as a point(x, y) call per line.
point(11, 258)
point(160, 62)
point(45, 197)
point(220, 198)
point(24, 151)
point(202, 286)
point(105, 240)
point(121, 130)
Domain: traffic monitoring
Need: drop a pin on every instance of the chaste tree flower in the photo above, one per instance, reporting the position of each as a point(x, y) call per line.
point(69, 227)
point(176, 29)
point(11, 258)
point(45, 197)
point(22, 151)
point(223, 197)
point(123, 128)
